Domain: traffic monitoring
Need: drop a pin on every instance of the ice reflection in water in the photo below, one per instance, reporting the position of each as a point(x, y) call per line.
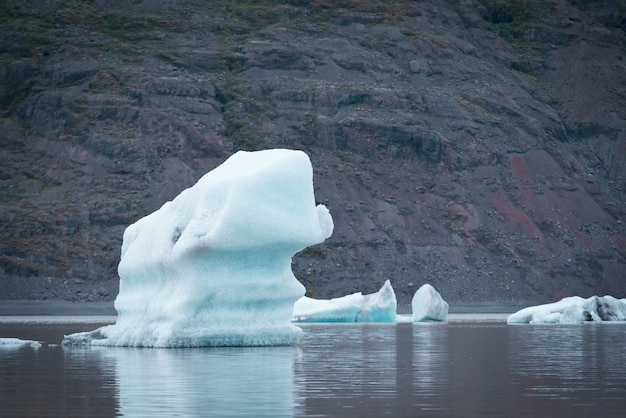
point(221, 382)
point(347, 369)
point(561, 362)
point(365, 370)
point(430, 358)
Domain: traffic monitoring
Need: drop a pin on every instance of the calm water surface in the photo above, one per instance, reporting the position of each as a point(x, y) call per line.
point(458, 369)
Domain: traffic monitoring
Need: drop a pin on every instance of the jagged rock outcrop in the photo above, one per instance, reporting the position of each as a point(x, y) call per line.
point(476, 148)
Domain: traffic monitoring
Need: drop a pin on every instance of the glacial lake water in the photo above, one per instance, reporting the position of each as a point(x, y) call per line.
point(472, 366)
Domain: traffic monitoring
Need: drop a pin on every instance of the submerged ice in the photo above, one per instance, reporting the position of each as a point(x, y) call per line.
point(213, 266)
point(572, 310)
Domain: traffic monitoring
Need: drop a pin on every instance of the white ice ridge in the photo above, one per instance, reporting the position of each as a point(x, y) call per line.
point(572, 310)
point(213, 266)
point(356, 307)
point(428, 305)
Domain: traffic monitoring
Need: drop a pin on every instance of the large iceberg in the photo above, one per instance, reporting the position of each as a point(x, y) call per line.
point(572, 310)
point(428, 305)
point(376, 307)
point(213, 266)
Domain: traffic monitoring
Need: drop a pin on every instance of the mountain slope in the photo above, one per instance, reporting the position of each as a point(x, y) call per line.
point(477, 146)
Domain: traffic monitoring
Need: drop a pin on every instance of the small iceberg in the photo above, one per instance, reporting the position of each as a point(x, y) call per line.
point(572, 310)
point(16, 342)
point(428, 305)
point(376, 307)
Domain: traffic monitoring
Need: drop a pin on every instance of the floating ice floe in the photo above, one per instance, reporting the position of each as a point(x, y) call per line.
point(17, 342)
point(376, 307)
point(428, 305)
point(213, 266)
point(572, 310)
point(381, 306)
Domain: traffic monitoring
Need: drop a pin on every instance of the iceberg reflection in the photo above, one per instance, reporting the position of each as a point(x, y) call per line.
point(205, 382)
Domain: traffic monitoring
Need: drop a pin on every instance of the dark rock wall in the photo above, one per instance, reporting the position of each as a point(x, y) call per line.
point(476, 148)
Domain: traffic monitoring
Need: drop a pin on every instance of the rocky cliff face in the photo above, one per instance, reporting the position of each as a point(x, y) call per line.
point(479, 146)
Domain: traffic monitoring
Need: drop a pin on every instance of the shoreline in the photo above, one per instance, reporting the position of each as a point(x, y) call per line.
point(25, 308)
point(50, 320)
